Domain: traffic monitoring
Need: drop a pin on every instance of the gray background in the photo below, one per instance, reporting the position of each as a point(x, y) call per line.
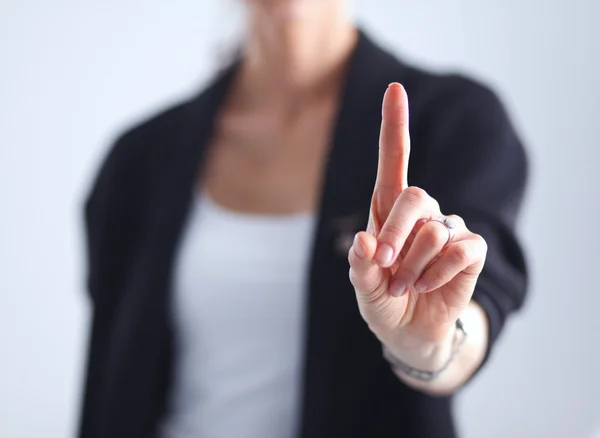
point(74, 72)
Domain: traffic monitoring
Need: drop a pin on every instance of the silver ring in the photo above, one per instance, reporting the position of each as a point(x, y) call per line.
point(449, 223)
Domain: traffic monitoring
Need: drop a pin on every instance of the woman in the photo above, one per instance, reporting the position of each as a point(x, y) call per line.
point(220, 231)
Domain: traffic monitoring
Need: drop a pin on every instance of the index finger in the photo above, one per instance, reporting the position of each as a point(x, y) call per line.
point(394, 142)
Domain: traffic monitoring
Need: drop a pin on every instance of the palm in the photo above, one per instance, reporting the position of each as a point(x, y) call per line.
point(424, 312)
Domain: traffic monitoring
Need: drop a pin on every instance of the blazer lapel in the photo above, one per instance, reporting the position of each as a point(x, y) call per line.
point(142, 375)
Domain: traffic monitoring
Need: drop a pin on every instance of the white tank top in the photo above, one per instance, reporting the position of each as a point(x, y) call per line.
point(238, 304)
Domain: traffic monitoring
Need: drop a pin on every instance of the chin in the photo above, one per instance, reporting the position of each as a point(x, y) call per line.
point(288, 9)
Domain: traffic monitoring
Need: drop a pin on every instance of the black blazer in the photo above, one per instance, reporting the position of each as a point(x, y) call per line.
point(464, 153)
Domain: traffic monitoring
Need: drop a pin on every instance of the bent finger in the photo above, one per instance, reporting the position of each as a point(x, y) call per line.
point(428, 243)
point(466, 256)
point(412, 205)
point(366, 277)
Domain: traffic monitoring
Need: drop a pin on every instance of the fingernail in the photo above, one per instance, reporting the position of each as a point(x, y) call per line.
point(384, 255)
point(359, 249)
point(398, 290)
point(420, 286)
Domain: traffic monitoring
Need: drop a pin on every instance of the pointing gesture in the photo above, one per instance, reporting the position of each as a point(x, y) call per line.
point(414, 270)
point(394, 151)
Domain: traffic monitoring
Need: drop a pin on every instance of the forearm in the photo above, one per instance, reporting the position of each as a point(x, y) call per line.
point(462, 367)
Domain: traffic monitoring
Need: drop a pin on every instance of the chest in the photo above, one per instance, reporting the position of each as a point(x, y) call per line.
point(263, 163)
point(238, 272)
point(238, 317)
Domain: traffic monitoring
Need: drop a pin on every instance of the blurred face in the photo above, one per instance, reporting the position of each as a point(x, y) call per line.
point(291, 9)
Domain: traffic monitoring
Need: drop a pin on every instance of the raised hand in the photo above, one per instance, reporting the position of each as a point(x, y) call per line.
point(414, 270)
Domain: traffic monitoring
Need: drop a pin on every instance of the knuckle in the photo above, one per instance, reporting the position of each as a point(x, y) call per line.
point(351, 256)
point(460, 256)
point(436, 276)
point(407, 273)
point(456, 218)
point(392, 232)
point(352, 276)
point(481, 242)
point(415, 195)
point(433, 235)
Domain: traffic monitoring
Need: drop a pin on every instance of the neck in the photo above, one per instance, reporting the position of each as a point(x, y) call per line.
point(296, 56)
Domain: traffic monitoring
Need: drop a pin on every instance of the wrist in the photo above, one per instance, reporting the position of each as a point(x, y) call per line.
point(423, 353)
point(425, 370)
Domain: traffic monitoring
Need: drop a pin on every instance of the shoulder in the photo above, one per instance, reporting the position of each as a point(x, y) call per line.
point(433, 95)
point(453, 98)
point(162, 128)
point(451, 103)
point(453, 117)
point(448, 87)
point(135, 141)
point(452, 110)
point(118, 175)
point(461, 120)
point(441, 94)
point(138, 146)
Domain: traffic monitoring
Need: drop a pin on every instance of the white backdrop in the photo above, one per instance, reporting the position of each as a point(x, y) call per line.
point(73, 72)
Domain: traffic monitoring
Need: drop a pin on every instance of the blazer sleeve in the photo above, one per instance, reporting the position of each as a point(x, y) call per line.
point(111, 215)
point(477, 169)
point(110, 212)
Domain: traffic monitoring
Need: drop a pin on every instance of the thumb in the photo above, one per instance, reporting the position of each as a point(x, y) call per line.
point(366, 276)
